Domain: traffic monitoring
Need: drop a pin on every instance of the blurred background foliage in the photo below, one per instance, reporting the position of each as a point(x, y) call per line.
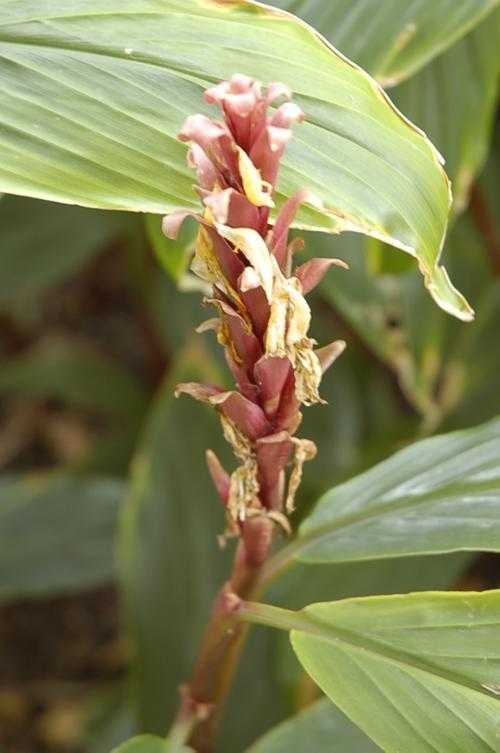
point(102, 471)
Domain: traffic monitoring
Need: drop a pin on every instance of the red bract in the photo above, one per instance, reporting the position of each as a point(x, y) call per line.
point(262, 316)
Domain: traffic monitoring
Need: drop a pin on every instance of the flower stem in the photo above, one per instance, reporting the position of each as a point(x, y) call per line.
point(202, 697)
point(278, 564)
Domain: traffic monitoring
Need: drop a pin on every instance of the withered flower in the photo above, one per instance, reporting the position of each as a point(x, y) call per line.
point(262, 317)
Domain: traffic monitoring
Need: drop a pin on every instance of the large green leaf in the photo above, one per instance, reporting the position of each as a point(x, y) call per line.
point(92, 102)
point(417, 673)
point(391, 39)
point(439, 495)
point(305, 584)
point(56, 533)
point(453, 100)
point(42, 243)
point(75, 373)
point(320, 729)
point(437, 361)
point(81, 377)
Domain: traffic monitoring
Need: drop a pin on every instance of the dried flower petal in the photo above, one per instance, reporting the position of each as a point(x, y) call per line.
point(329, 353)
point(304, 450)
point(264, 318)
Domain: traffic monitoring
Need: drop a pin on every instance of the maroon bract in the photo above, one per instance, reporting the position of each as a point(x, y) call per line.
point(262, 316)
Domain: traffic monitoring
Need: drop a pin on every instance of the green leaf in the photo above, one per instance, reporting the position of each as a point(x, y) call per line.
point(150, 744)
point(390, 39)
point(173, 255)
point(81, 377)
point(73, 84)
point(454, 99)
point(480, 356)
point(446, 365)
point(438, 362)
point(321, 728)
point(304, 584)
point(367, 303)
point(439, 495)
point(417, 673)
point(56, 533)
point(75, 373)
point(43, 243)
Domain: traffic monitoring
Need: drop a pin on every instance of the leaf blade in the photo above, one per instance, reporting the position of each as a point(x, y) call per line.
point(57, 533)
point(120, 76)
point(407, 693)
point(314, 729)
point(417, 502)
point(396, 41)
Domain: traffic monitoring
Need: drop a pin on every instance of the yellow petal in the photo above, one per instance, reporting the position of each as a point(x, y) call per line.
point(299, 318)
point(275, 338)
point(253, 185)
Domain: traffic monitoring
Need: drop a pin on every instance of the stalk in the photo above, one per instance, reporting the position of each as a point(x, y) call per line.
point(219, 653)
point(262, 322)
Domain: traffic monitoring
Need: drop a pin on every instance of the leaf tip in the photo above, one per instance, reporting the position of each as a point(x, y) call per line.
point(447, 296)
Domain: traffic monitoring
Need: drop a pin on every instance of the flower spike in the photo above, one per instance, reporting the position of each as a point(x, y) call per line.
point(263, 318)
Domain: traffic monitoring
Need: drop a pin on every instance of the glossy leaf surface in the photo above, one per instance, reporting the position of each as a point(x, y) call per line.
point(417, 673)
point(76, 81)
point(438, 495)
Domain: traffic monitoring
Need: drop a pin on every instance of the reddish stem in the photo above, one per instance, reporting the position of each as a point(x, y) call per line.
point(203, 696)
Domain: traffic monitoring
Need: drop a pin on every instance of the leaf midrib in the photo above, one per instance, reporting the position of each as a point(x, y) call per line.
point(328, 633)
